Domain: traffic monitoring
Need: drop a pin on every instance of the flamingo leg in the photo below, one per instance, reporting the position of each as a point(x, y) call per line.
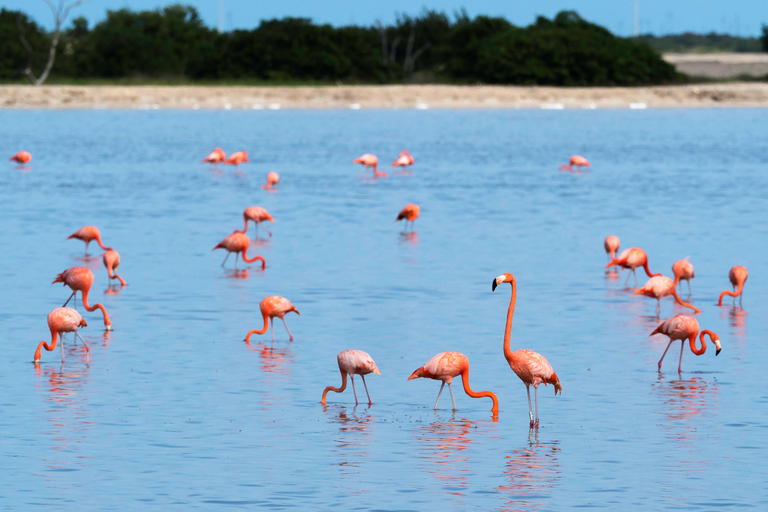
point(225, 259)
point(87, 348)
point(536, 397)
point(370, 402)
point(680, 364)
point(62, 349)
point(689, 287)
point(665, 353)
point(351, 376)
point(287, 329)
point(70, 298)
point(635, 274)
point(530, 409)
point(272, 328)
point(268, 231)
point(658, 308)
point(438, 395)
point(450, 388)
point(86, 247)
point(626, 281)
point(237, 254)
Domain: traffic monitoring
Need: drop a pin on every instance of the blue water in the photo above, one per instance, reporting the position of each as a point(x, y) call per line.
point(174, 411)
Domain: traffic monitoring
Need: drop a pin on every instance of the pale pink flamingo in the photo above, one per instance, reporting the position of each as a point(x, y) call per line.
point(369, 160)
point(353, 362)
point(258, 215)
point(683, 271)
point(236, 159)
point(444, 367)
point(238, 242)
point(532, 368)
point(661, 286)
point(738, 276)
point(80, 279)
point(404, 160)
point(216, 156)
point(631, 259)
point(111, 260)
point(88, 234)
point(576, 161)
point(410, 213)
point(22, 157)
point(272, 179)
point(271, 307)
point(682, 327)
point(62, 320)
point(611, 245)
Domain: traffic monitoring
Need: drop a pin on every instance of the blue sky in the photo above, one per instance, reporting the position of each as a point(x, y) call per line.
point(741, 17)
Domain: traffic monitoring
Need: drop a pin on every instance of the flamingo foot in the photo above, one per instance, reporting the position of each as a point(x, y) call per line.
point(536, 423)
point(532, 424)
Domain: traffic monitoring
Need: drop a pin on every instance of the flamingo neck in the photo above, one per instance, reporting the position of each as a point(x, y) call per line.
point(481, 394)
point(88, 307)
point(257, 331)
point(684, 304)
point(43, 344)
point(101, 244)
point(256, 258)
point(703, 348)
point(738, 291)
point(508, 329)
point(647, 271)
point(336, 390)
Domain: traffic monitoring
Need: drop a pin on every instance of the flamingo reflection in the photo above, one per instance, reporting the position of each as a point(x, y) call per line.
point(273, 360)
point(684, 404)
point(355, 434)
point(533, 471)
point(443, 444)
point(411, 238)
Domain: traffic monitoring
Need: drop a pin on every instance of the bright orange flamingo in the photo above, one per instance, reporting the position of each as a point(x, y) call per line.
point(238, 242)
point(369, 160)
point(80, 279)
point(88, 234)
point(444, 367)
point(258, 215)
point(62, 320)
point(661, 286)
point(236, 159)
point(576, 161)
point(22, 157)
point(215, 157)
point(111, 260)
point(410, 213)
point(611, 245)
point(353, 362)
point(272, 179)
point(271, 307)
point(404, 160)
point(684, 327)
point(532, 368)
point(738, 276)
point(631, 259)
point(683, 270)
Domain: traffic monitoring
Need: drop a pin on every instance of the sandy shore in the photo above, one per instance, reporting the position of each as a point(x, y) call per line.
point(397, 96)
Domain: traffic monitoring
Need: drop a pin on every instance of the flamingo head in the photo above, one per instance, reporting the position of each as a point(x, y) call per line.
point(83, 323)
point(716, 341)
point(503, 278)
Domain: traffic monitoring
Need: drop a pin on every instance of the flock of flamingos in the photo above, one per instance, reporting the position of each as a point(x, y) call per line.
point(531, 367)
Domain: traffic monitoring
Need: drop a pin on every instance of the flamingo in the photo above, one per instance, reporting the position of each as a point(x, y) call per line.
point(22, 157)
point(631, 259)
point(611, 245)
point(62, 320)
point(80, 279)
point(531, 367)
point(444, 367)
point(369, 160)
point(738, 276)
point(661, 286)
point(215, 157)
point(682, 327)
point(404, 160)
point(111, 260)
point(576, 161)
point(353, 362)
point(410, 213)
point(236, 159)
point(88, 234)
point(683, 270)
point(258, 215)
point(271, 307)
point(272, 179)
point(238, 242)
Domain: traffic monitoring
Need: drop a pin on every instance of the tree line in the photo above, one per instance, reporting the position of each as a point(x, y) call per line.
point(174, 43)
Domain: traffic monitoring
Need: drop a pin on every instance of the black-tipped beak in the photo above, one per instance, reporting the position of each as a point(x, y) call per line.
point(493, 285)
point(718, 351)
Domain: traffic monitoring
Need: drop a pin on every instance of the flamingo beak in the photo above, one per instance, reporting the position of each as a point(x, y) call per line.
point(717, 344)
point(497, 282)
point(494, 284)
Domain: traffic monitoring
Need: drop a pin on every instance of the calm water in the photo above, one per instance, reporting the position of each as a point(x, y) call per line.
point(175, 411)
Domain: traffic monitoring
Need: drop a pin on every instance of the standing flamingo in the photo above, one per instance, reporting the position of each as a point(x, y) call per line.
point(410, 213)
point(661, 286)
point(215, 157)
point(631, 259)
point(272, 179)
point(88, 234)
point(611, 245)
point(369, 160)
point(258, 215)
point(682, 327)
point(111, 260)
point(683, 270)
point(531, 367)
point(80, 279)
point(404, 160)
point(238, 242)
point(353, 362)
point(271, 307)
point(444, 367)
point(22, 157)
point(738, 276)
point(62, 320)
point(576, 161)
point(236, 159)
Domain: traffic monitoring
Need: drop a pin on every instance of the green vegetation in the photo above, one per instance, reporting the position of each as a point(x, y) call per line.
point(764, 38)
point(172, 45)
point(703, 43)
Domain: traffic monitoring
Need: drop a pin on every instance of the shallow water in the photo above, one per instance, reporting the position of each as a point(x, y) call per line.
point(172, 409)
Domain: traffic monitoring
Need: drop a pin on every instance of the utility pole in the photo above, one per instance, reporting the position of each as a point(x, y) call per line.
point(221, 16)
point(637, 18)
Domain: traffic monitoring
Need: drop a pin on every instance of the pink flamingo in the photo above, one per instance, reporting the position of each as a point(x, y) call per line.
point(404, 160)
point(353, 362)
point(88, 234)
point(271, 307)
point(410, 213)
point(80, 279)
point(738, 276)
point(682, 327)
point(258, 215)
point(272, 179)
point(576, 161)
point(631, 259)
point(236, 159)
point(111, 260)
point(238, 242)
point(369, 160)
point(216, 156)
point(683, 271)
point(531, 367)
point(444, 367)
point(62, 320)
point(611, 245)
point(22, 157)
point(661, 286)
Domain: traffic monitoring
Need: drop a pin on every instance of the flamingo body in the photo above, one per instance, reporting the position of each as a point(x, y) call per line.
point(88, 234)
point(685, 327)
point(353, 362)
point(611, 245)
point(237, 158)
point(575, 161)
point(370, 161)
point(410, 213)
point(215, 157)
point(80, 279)
point(22, 157)
point(661, 286)
point(631, 259)
point(271, 307)
point(737, 276)
point(60, 320)
point(258, 215)
point(272, 179)
point(111, 260)
point(238, 242)
point(404, 160)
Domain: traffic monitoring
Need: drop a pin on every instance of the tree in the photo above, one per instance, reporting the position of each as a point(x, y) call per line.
point(764, 39)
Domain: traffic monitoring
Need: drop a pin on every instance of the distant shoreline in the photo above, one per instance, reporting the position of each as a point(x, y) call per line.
point(748, 94)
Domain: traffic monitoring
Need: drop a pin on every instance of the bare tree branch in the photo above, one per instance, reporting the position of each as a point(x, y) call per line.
point(409, 49)
point(392, 54)
point(384, 45)
point(418, 52)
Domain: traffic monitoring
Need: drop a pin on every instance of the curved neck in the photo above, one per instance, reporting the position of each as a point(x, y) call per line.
point(481, 394)
point(115, 276)
point(88, 307)
point(43, 344)
point(677, 279)
point(730, 293)
point(256, 258)
point(510, 314)
point(647, 271)
point(703, 348)
point(98, 241)
point(257, 331)
point(337, 390)
point(245, 229)
point(684, 304)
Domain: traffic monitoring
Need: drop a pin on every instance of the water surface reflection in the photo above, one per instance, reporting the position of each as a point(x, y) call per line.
point(532, 472)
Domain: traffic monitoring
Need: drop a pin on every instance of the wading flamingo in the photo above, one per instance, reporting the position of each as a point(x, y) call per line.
point(22, 157)
point(409, 213)
point(238, 242)
point(738, 276)
point(369, 160)
point(444, 367)
point(353, 362)
point(532, 368)
point(258, 215)
point(111, 260)
point(631, 259)
point(62, 320)
point(272, 179)
point(682, 327)
point(80, 279)
point(236, 159)
point(271, 307)
point(611, 245)
point(404, 160)
point(88, 234)
point(576, 161)
point(215, 157)
point(683, 270)
point(661, 286)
